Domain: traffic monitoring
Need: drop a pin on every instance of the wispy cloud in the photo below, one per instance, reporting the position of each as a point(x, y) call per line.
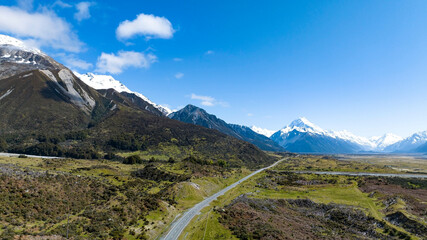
point(178, 59)
point(179, 75)
point(83, 11)
point(146, 25)
point(250, 114)
point(43, 28)
point(209, 52)
point(73, 62)
point(208, 101)
point(61, 4)
point(114, 64)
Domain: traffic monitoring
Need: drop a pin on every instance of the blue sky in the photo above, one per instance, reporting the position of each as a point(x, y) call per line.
point(354, 65)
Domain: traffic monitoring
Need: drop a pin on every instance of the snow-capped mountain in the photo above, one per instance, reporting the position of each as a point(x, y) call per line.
point(16, 57)
point(14, 43)
point(316, 139)
point(108, 82)
point(387, 139)
point(263, 131)
point(409, 144)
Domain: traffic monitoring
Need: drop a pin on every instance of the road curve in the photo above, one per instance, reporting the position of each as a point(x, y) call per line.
point(179, 225)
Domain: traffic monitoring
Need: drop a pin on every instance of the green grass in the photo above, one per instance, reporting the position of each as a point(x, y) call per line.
point(347, 195)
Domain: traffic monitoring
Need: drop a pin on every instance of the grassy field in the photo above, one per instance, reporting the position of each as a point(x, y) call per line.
point(326, 189)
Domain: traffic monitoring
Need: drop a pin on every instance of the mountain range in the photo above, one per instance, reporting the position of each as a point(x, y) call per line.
point(299, 136)
point(46, 109)
point(39, 95)
point(198, 116)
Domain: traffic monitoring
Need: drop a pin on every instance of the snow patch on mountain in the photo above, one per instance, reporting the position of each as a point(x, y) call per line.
point(106, 82)
point(387, 139)
point(262, 131)
point(7, 41)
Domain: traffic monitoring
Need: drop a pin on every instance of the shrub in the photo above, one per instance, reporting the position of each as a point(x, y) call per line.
point(134, 159)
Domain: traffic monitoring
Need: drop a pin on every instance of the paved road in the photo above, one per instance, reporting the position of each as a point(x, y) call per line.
point(31, 156)
point(403, 175)
point(178, 226)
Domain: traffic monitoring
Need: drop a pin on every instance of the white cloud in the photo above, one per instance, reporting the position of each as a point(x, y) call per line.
point(61, 4)
point(43, 28)
point(115, 64)
point(179, 75)
point(208, 101)
point(73, 62)
point(250, 114)
point(146, 25)
point(209, 52)
point(82, 11)
point(178, 59)
point(25, 4)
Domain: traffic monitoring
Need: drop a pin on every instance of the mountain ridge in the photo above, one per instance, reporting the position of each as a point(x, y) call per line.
point(198, 116)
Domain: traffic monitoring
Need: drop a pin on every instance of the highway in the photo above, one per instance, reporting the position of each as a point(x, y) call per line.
point(181, 223)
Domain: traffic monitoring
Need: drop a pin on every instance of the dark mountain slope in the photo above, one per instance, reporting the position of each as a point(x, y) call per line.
point(32, 101)
point(130, 100)
point(156, 132)
point(198, 116)
point(257, 139)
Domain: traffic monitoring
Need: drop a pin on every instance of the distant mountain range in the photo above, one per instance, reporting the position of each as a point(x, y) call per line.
point(305, 137)
point(198, 116)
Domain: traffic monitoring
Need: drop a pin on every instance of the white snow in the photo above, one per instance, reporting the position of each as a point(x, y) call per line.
point(375, 143)
point(106, 82)
point(263, 131)
point(6, 94)
point(387, 139)
point(17, 44)
point(302, 125)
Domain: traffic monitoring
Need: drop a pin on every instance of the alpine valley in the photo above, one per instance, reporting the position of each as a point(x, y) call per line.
point(82, 156)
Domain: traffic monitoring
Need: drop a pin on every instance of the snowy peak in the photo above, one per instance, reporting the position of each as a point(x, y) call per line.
point(108, 82)
point(7, 41)
point(262, 131)
point(420, 137)
point(302, 124)
point(387, 139)
point(102, 82)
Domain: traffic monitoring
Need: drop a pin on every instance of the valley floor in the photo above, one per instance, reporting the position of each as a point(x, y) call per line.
point(99, 199)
